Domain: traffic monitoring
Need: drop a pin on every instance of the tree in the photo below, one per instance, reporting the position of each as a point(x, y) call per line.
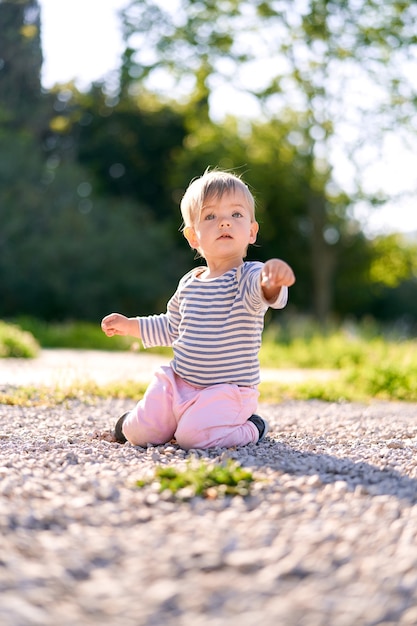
point(314, 62)
point(68, 248)
point(20, 64)
point(129, 146)
point(393, 281)
point(69, 254)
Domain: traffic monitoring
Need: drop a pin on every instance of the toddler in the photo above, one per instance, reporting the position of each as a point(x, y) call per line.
point(207, 396)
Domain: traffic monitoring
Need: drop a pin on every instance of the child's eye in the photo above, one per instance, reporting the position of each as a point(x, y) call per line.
point(209, 216)
point(237, 214)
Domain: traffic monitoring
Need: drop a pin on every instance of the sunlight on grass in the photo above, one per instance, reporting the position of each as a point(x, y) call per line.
point(329, 391)
point(368, 365)
point(337, 351)
point(386, 381)
point(383, 382)
point(16, 342)
point(85, 392)
point(79, 335)
point(76, 335)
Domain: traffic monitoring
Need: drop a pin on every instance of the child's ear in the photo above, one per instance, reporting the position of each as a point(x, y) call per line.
point(254, 227)
point(191, 237)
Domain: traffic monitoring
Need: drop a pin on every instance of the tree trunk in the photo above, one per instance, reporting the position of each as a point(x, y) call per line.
point(323, 261)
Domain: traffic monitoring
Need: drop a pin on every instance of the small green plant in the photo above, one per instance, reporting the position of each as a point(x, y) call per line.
point(205, 480)
point(15, 342)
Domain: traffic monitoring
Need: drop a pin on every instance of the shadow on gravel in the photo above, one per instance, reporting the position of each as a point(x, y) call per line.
point(330, 469)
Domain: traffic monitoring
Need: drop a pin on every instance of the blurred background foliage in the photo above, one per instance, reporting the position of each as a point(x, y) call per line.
point(90, 182)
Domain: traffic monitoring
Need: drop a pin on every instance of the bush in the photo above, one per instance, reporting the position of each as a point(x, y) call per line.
point(72, 335)
point(15, 342)
point(80, 335)
point(387, 381)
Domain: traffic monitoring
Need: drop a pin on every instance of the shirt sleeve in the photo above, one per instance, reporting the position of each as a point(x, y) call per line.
point(161, 330)
point(155, 331)
point(252, 290)
point(281, 300)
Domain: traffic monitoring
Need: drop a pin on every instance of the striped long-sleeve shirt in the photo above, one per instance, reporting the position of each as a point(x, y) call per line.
point(214, 326)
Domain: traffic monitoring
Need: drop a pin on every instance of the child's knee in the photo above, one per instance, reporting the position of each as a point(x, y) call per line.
point(185, 441)
point(187, 438)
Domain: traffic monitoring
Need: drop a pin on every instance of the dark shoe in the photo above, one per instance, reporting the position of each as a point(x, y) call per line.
point(261, 424)
point(118, 432)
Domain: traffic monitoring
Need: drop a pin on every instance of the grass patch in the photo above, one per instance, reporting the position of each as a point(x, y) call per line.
point(203, 479)
point(332, 391)
point(74, 335)
point(369, 366)
point(391, 382)
point(84, 392)
point(336, 351)
point(29, 396)
point(80, 336)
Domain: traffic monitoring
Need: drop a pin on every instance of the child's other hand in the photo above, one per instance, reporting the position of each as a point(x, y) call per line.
point(115, 324)
point(276, 274)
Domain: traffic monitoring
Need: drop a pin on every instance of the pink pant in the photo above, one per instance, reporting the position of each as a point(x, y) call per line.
point(196, 417)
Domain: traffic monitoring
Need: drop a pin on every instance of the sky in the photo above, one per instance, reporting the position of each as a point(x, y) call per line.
point(81, 41)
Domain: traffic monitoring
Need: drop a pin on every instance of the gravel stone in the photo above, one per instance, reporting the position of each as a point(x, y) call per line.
point(327, 536)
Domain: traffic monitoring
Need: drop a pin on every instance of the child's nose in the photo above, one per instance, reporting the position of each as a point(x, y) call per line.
point(224, 221)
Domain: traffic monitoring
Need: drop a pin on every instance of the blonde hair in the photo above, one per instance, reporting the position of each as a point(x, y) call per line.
point(212, 184)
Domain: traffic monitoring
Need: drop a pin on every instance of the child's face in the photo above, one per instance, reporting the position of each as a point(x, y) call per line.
point(224, 228)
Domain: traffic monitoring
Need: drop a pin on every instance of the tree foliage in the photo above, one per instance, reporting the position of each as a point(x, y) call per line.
point(311, 65)
point(20, 66)
point(129, 148)
point(65, 255)
point(90, 183)
point(72, 246)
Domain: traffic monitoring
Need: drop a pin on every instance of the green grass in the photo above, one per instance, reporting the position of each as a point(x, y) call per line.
point(204, 479)
point(78, 335)
point(386, 380)
point(339, 349)
point(368, 365)
point(43, 395)
point(395, 382)
point(75, 335)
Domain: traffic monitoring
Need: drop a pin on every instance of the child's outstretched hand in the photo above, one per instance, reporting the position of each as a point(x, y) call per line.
point(117, 324)
point(275, 274)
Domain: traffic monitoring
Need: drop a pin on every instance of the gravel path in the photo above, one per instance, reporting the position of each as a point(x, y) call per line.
point(328, 536)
